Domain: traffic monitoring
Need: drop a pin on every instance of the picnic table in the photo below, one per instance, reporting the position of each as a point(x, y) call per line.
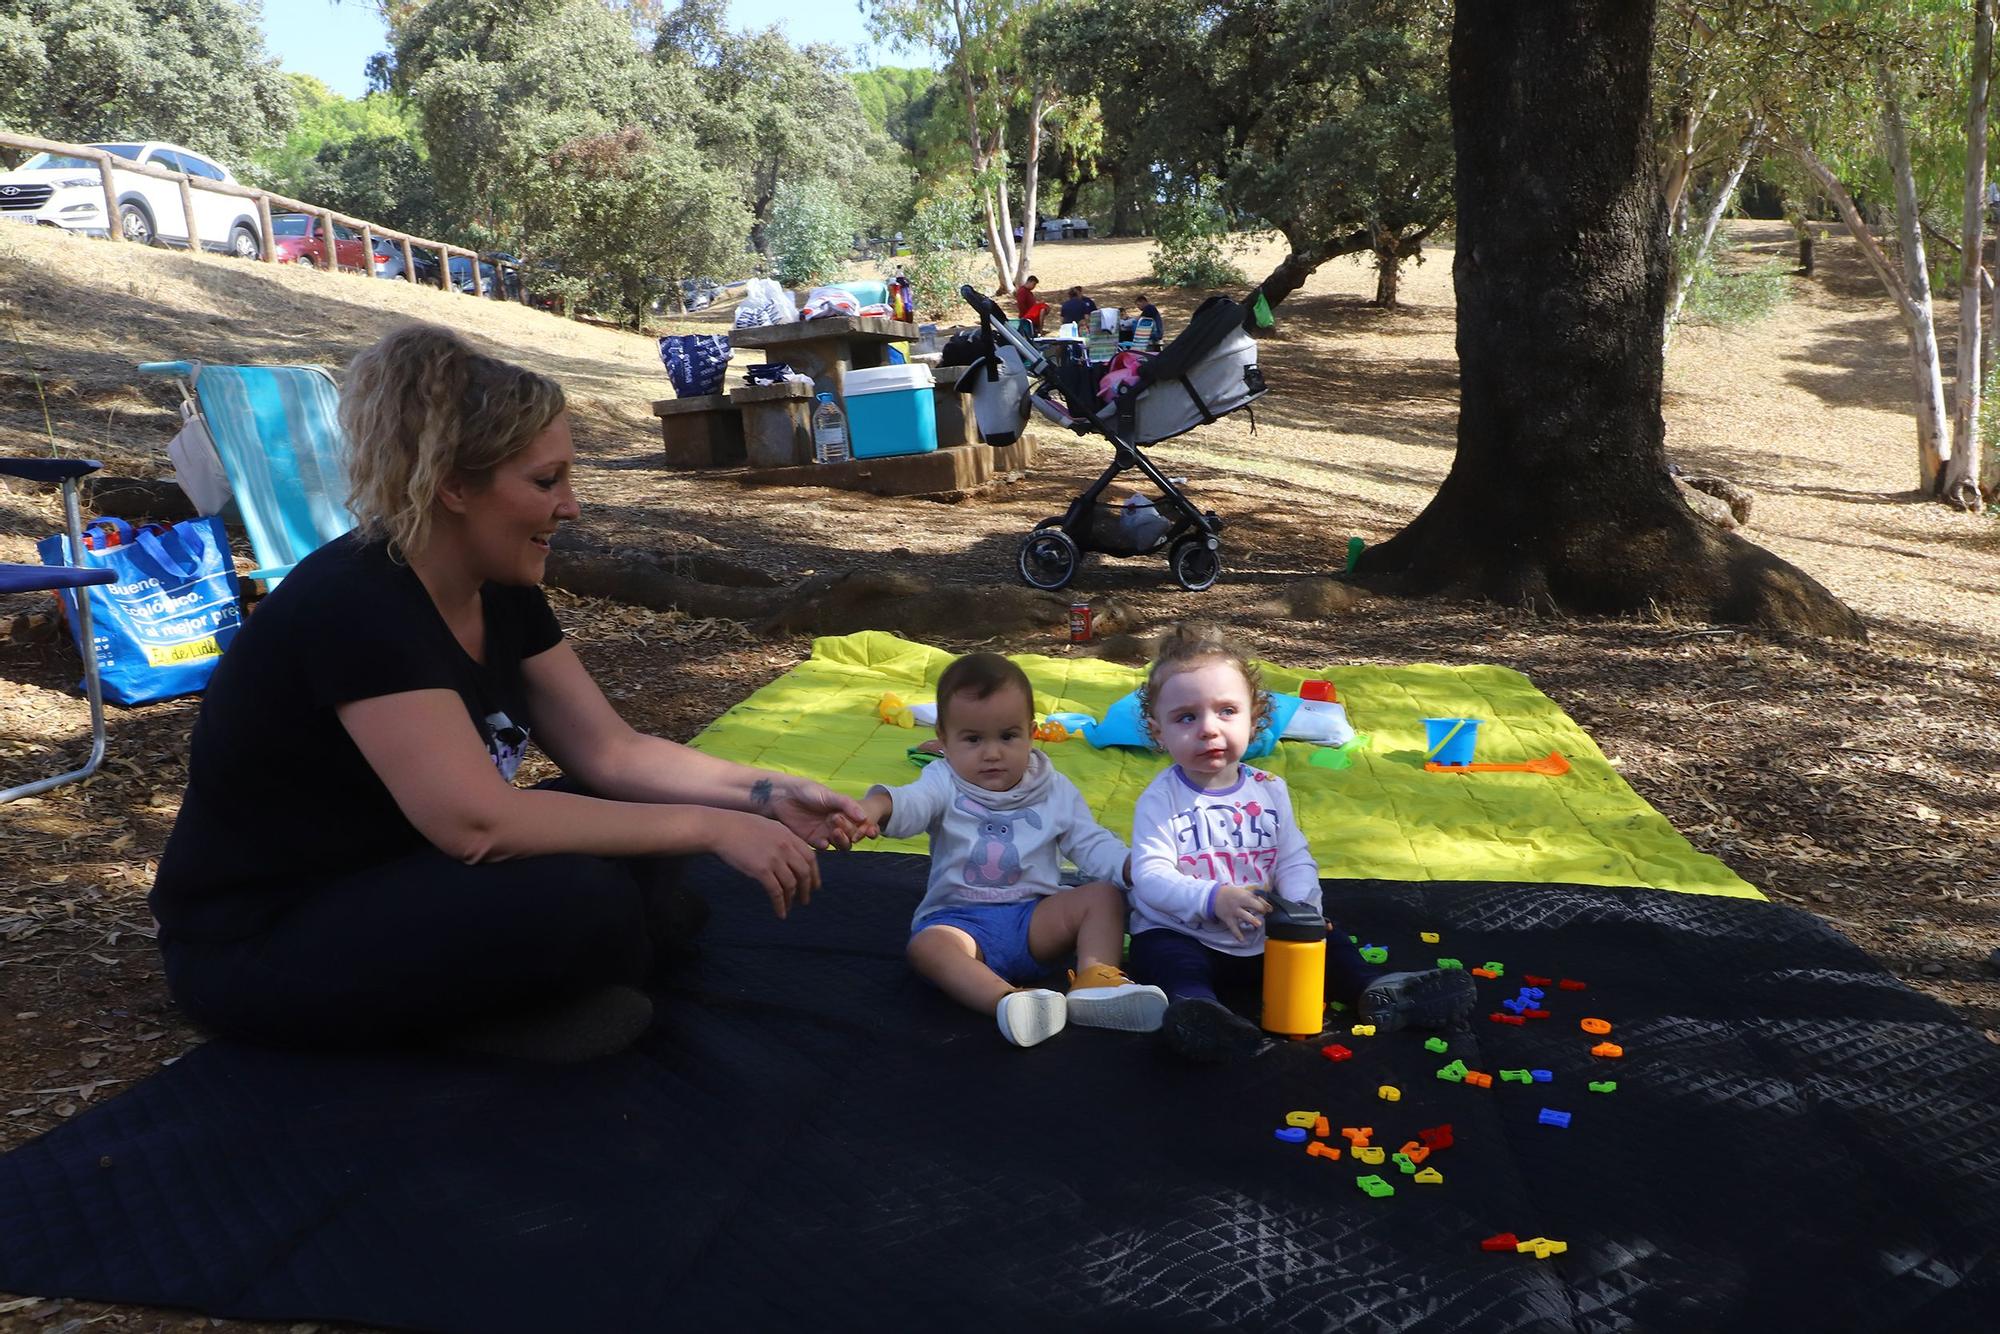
point(826, 349)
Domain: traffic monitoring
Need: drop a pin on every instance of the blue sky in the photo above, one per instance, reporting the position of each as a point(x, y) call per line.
point(333, 41)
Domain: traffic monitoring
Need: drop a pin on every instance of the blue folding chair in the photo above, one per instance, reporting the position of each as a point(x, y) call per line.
point(277, 432)
point(51, 578)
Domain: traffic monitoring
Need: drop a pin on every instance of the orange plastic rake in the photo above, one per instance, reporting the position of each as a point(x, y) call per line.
point(1552, 764)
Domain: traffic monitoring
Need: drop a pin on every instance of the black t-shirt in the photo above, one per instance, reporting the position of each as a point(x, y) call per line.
point(277, 791)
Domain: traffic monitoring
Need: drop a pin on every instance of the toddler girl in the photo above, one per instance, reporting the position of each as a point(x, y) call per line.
point(1212, 840)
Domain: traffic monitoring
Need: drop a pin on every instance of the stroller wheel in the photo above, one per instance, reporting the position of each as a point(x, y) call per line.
point(1048, 558)
point(1196, 563)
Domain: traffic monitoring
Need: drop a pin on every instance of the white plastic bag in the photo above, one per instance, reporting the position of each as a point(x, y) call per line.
point(765, 302)
point(822, 301)
point(1321, 722)
point(197, 467)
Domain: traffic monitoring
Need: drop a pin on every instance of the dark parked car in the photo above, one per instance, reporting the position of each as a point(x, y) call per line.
point(389, 262)
point(461, 276)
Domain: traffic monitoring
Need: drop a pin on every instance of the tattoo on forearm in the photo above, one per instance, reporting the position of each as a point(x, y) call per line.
point(760, 794)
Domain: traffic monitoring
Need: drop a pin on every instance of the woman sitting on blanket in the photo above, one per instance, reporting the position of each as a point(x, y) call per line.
point(353, 863)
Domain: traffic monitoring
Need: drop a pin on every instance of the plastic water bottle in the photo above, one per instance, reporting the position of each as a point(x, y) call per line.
point(829, 432)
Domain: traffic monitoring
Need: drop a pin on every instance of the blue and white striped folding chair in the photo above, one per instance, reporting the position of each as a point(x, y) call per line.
point(277, 431)
point(49, 578)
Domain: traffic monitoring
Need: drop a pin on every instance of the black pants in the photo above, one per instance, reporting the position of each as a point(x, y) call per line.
point(419, 947)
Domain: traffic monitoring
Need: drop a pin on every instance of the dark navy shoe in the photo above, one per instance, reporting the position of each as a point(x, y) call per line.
point(1438, 998)
point(1209, 1031)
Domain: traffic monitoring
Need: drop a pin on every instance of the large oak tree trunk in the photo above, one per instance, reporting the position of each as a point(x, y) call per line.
point(1559, 495)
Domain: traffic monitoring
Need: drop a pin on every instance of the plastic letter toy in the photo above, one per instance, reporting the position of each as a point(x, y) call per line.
point(1453, 1073)
point(1372, 1154)
point(1570, 984)
point(1497, 969)
point(1500, 1241)
point(1484, 972)
point(1534, 981)
point(1541, 1247)
point(1514, 1019)
point(1389, 1093)
point(1375, 1186)
point(1597, 1026)
point(1415, 1152)
point(1363, 1030)
point(1321, 1129)
point(1437, 1046)
point(1428, 937)
point(1551, 1117)
point(1542, 1076)
point(1610, 1051)
point(1333, 1051)
point(1315, 1149)
point(1603, 1086)
point(1430, 1176)
point(1303, 1120)
point(1374, 954)
point(1357, 1135)
point(1403, 1164)
point(1437, 1137)
point(1450, 963)
point(1479, 1079)
point(1517, 1077)
point(1290, 1134)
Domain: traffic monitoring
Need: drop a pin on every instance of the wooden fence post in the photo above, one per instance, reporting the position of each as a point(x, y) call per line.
point(332, 241)
point(367, 251)
point(187, 211)
point(270, 255)
point(409, 263)
point(114, 226)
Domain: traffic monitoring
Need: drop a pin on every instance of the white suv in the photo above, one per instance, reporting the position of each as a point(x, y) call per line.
point(64, 191)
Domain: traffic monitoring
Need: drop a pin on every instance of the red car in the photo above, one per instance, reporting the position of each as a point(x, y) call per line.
point(301, 239)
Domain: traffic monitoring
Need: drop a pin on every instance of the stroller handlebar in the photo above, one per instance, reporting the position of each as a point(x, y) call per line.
point(981, 303)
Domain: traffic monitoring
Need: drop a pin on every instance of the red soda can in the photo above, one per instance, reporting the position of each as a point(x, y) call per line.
point(1079, 622)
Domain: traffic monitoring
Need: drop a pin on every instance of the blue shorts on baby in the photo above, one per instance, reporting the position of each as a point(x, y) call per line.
point(1001, 932)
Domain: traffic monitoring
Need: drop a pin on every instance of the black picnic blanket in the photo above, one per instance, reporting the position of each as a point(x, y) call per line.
point(812, 1138)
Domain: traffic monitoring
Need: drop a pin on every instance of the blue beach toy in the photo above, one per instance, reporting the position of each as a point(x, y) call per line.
point(1449, 740)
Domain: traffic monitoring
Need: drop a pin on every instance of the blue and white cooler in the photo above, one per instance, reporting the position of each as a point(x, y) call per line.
point(890, 410)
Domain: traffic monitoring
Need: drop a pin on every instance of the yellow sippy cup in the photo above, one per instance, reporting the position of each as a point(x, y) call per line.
point(1294, 969)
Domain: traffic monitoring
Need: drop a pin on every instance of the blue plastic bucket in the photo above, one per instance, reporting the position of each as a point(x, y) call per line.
point(1449, 740)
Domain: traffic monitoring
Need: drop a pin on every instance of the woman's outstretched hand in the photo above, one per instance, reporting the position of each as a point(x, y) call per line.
point(815, 812)
point(768, 853)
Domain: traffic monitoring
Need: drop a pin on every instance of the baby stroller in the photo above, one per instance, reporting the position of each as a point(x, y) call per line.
point(1209, 371)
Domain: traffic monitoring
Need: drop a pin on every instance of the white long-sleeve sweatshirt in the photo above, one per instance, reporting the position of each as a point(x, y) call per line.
point(1189, 841)
point(1000, 847)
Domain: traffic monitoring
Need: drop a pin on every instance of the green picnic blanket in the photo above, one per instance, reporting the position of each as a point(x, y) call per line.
point(1381, 816)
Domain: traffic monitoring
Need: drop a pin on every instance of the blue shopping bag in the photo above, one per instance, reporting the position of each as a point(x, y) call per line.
point(161, 627)
point(696, 363)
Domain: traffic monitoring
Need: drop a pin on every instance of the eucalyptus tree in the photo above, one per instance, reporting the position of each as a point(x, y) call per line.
point(981, 43)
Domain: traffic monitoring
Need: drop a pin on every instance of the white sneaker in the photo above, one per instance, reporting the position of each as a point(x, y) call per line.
point(1103, 997)
point(1029, 1017)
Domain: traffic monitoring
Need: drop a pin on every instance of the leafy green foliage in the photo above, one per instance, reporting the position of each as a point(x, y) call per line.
point(1189, 240)
point(191, 72)
point(812, 232)
point(360, 156)
point(1724, 295)
point(1326, 118)
point(944, 244)
point(624, 217)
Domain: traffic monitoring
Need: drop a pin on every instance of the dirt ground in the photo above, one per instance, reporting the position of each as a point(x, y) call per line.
point(1855, 781)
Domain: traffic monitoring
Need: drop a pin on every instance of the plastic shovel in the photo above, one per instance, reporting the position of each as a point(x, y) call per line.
point(1552, 763)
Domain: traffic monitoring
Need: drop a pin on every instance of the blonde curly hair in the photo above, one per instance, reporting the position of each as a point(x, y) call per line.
point(422, 406)
point(1190, 645)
